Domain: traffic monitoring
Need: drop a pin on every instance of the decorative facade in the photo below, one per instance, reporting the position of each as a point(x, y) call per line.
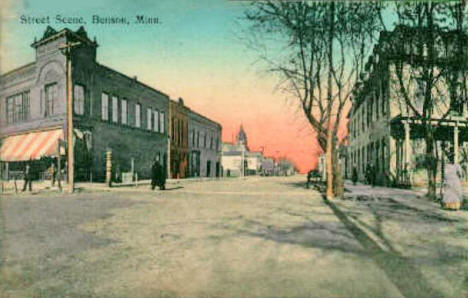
point(111, 112)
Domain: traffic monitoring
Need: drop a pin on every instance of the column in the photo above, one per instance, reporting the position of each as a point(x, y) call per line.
point(109, 167)
point(407, 152)
point(455, 144)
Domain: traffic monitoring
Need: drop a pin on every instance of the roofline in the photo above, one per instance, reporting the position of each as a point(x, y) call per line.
point(64, 31)
point(18, 68)
point(204, 117)
point(133, 79)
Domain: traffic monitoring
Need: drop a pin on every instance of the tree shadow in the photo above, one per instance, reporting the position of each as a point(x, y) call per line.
point(325, 235)
point(404, 275)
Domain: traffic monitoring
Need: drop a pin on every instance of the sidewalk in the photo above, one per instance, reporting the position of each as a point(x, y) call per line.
point(139, 186)
point(421, 247)
point(413, 197)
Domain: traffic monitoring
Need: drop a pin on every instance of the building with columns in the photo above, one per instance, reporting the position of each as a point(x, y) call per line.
point(387, 134)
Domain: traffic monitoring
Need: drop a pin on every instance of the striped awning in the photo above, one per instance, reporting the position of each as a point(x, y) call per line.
point(32, 145)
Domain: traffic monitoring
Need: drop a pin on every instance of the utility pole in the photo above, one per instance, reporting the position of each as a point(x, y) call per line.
point(169, 138)
point(66, 49)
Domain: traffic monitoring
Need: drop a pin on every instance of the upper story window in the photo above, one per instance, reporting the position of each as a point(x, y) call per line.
point(198, 139)
point(51, 97)
point(18, 108)
point(156, 121)
point(104, 107)
point(78, 99)
point(115, 109)
point(124, 111)
point(161, 123)
point(137, 115)
point(149, 116)
point(193, 138)
point(180, 131)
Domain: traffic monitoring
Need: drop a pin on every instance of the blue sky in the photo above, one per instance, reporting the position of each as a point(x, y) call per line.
point(195, 53)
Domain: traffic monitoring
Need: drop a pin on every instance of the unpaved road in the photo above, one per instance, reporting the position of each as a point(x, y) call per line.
point(260, 237)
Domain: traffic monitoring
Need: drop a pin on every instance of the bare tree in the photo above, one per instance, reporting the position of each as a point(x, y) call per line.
point(317, 51)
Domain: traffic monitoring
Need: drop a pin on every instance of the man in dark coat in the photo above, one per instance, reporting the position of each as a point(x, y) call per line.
point(161, 177)
point(354, 176)
point(309, 177)
point(155, 174)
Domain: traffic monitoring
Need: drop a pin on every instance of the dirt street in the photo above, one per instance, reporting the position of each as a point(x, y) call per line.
point(259, 237)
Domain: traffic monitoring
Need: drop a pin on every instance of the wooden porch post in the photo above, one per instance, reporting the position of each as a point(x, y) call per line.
point(455, 144)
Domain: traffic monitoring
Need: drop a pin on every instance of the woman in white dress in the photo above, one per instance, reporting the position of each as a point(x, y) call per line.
point(452, 194)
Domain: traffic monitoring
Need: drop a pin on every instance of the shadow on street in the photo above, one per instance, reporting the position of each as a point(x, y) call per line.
point(404, 275)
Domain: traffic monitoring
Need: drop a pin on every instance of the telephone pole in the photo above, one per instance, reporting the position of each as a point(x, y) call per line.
point(66, 49)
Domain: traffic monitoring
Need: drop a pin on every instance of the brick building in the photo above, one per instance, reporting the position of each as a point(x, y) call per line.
point(178, 134)
point(112, 111)
point(204, 146)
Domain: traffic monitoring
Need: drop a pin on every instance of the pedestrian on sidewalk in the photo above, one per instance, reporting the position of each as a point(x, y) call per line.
point(354, 176)
point(154, 174)
point(53, 173)
point(27, 173)
point(452, 195)
point(373, 176)
point(161, 177)
point(309, 177)
point(369, 174)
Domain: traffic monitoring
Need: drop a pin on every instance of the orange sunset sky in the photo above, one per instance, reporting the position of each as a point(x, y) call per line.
point(196, 52)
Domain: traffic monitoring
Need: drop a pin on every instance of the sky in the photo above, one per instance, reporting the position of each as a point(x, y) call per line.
point(196, 52)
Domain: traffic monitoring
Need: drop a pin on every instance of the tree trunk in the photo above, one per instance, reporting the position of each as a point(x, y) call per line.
point(431, 166)
point(337, 175)
point(329, 162)
point(442, 169)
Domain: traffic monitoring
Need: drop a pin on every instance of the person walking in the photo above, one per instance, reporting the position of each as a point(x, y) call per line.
point(154, 174)
point(53, 173)
point(161, 177)
point(354, 176)
point(373, 173)
point(309, 177)
point(452, 193)
point(27, 177)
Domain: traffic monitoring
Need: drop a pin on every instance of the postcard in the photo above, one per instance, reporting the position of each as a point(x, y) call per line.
point(230, 148)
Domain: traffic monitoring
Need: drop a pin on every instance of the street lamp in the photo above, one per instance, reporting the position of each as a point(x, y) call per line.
point(66, 49)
